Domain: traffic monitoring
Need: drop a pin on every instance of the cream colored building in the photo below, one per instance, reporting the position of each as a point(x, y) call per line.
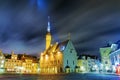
point(2, 62)
point(82, 65)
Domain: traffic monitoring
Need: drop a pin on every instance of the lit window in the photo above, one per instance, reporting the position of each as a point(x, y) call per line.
point(46, 56)
point(2, 61)
point(62, 48)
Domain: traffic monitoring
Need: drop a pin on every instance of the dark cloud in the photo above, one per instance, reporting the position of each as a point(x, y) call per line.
point(92, 23)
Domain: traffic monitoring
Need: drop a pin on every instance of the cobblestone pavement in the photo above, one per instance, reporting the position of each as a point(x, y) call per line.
point(76, 76)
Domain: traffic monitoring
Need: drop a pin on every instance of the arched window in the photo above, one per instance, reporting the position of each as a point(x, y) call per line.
point(67, 61)
point(58, 61)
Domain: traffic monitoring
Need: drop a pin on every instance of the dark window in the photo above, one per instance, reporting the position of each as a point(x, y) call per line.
point(106, 62)
point(71, 50)
point(67, 61)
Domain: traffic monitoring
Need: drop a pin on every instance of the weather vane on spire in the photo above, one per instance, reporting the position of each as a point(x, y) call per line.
point(69, 36)
point(48, 28)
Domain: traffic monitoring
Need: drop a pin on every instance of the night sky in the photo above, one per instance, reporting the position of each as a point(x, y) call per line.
point(91, 23)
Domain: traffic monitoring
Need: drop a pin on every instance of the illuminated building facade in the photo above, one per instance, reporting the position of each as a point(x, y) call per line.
point(48, 36)
point(2, 62)
point(105, 58)
point(51, 62)
point(28, 66)
point(58, 57)
point(13, 64)
point(115, 58)
point(88, 63)
point(93, 64)
point(21, 64)
point(69, 56)
point(82, 64)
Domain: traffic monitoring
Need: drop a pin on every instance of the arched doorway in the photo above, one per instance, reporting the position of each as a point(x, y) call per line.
point(67, 69)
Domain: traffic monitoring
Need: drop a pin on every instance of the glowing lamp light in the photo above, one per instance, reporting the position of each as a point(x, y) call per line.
point(2, 61)
point(32, 64)
point(101, 65)
point(107, 68)
point(38, 69)
point(63, 47)
point(95, 66)
point(116, 63)
point(82, 68)
point(58, 52)
point(42, 54)
point(114, 68)
point(56, 42)
point(41, 58)
point(48, 29)
point(1, 66)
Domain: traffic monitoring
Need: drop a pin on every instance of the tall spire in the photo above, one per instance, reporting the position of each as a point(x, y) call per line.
point(48, 35)
point(48, 28)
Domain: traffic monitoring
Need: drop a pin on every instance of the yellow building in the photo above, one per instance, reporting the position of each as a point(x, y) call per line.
point(57, 57)
point(51, 58)
point(21, 64)
point(29, 65)
point(13, 64)
point(82, 65)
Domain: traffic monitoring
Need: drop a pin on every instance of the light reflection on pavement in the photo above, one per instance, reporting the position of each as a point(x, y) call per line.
point(77, 76)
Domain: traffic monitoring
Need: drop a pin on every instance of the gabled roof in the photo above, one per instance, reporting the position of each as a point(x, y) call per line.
point(22, 57)
point(51, 49)
point(64, 43)
point(86, 56)
point(7, 56)
point(25, 56)
point(56, 47)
